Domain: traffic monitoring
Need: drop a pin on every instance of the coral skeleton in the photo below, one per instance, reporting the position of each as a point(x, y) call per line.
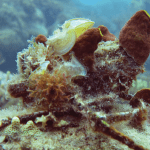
point(76, 85)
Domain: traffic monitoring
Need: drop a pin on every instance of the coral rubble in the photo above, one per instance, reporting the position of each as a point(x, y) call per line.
point(74, 88)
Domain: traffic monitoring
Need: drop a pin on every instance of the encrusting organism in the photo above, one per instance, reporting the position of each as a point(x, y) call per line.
point(77, 84)
point(63, 40)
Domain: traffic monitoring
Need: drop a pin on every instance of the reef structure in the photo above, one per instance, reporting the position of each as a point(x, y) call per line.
point(75, 84)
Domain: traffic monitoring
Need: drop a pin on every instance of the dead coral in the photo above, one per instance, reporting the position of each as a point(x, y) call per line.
point(20, 90)
point(113, 71)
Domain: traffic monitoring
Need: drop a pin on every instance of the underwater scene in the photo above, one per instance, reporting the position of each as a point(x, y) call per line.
point(74, 75)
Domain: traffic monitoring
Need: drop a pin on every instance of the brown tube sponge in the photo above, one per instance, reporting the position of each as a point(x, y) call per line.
point(85, 46)
point(135, 37)
point(107, 36)
point(41, 39)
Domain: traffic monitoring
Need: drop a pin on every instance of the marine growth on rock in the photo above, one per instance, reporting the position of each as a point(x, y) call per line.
point(74, 87)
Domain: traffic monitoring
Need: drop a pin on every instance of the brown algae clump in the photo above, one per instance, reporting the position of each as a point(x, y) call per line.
point(49, 90)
